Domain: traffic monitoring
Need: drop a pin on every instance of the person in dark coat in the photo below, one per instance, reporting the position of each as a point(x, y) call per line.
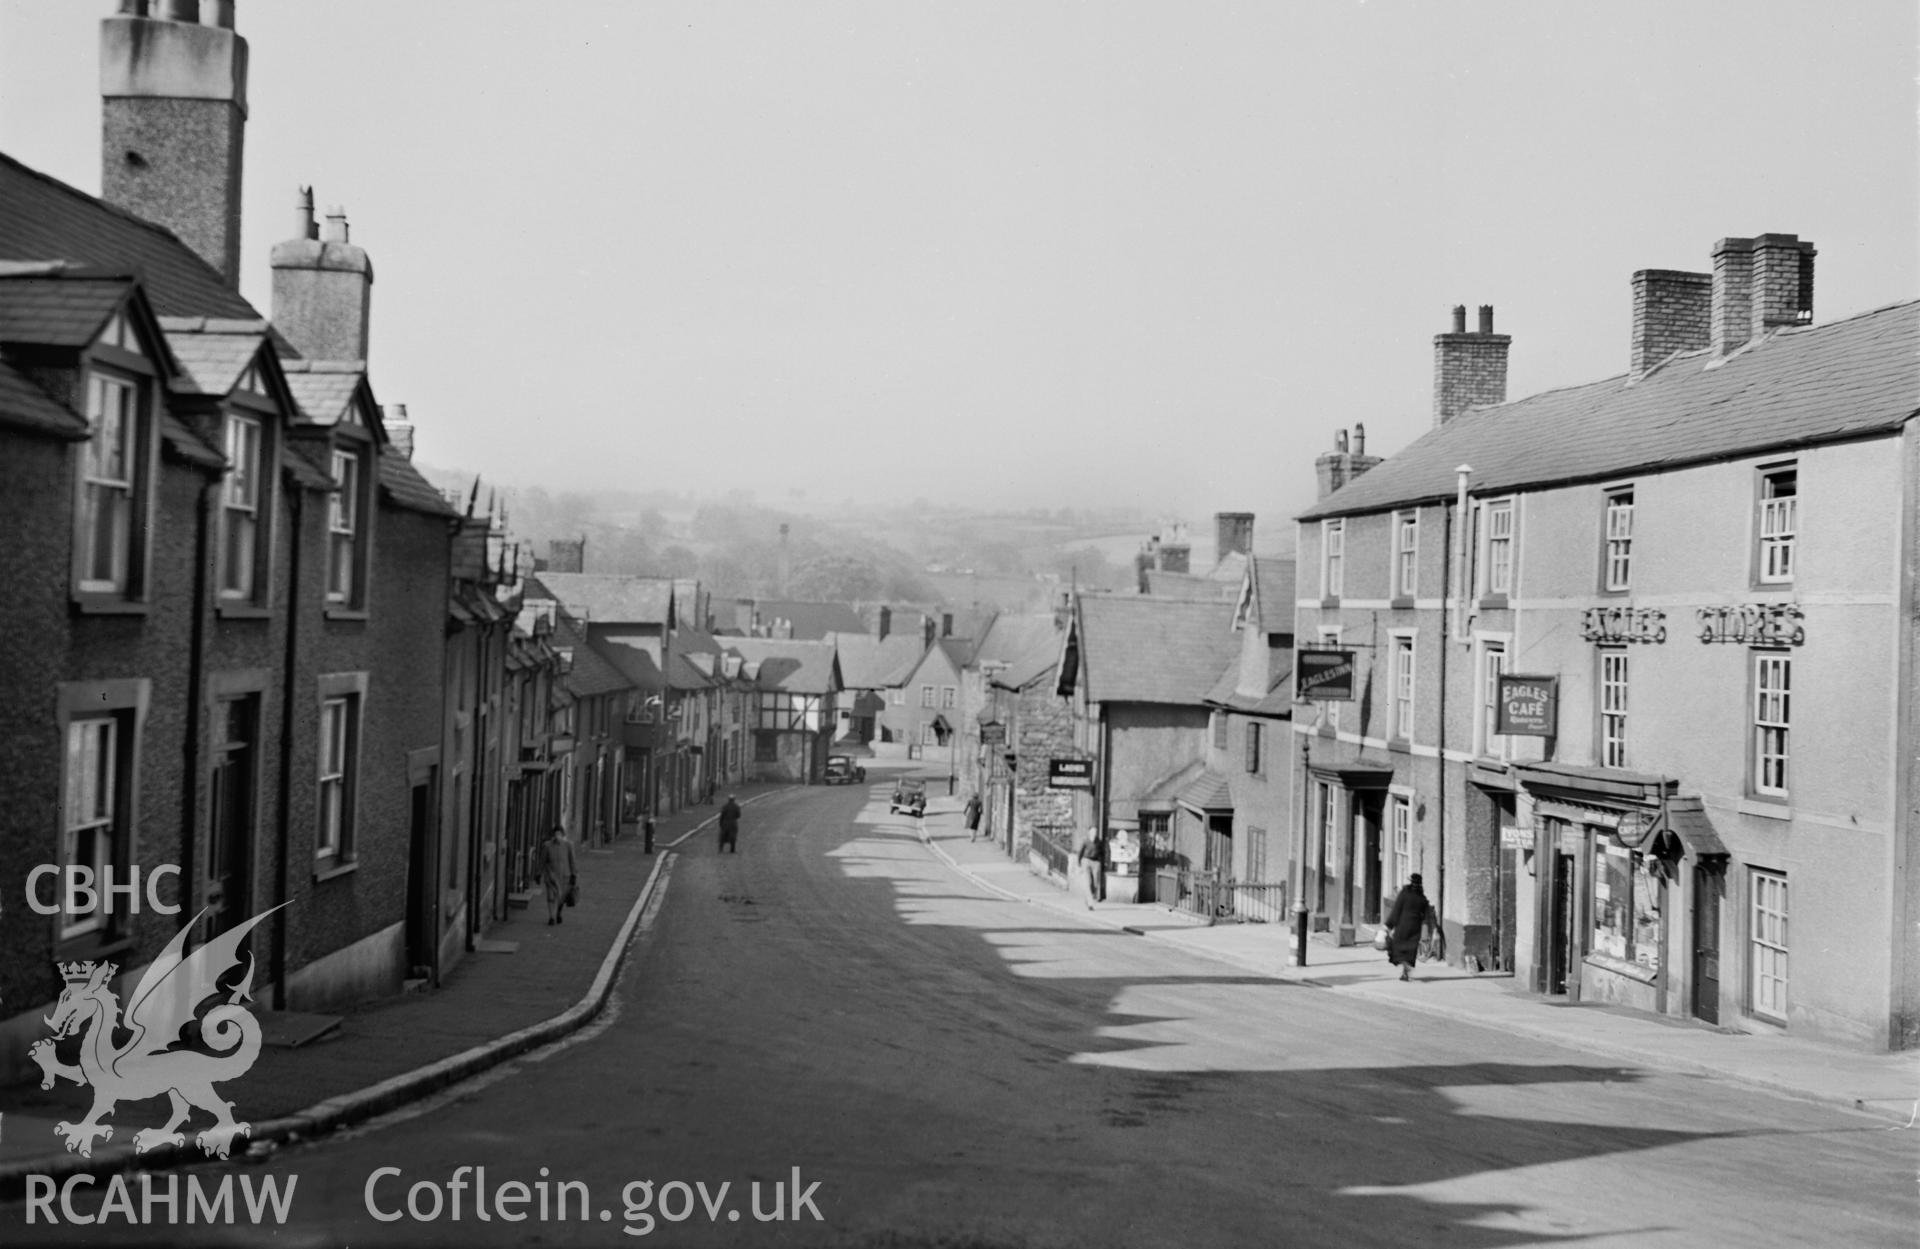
point(557, 873)
point(1410, 916)
point(730, 826)
point(973, 816)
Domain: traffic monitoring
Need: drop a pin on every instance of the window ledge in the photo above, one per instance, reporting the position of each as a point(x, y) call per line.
point(1492, 602)
point(1400, 602)
point(106, 605)
point(1399, 746)
point(242, 611)
point(347, 613)
point(1765, 808)
point(1620, 967)
point(321, 874)
point(1325, 730)
point(1330, 601)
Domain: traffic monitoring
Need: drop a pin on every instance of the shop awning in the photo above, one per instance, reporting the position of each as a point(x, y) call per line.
point(1206, 793)
point(1686, 826)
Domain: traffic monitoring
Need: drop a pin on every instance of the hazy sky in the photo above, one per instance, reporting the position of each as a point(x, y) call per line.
point(1035, 253)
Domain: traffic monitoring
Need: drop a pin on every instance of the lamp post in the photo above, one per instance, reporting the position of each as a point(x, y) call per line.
point(1300, 901)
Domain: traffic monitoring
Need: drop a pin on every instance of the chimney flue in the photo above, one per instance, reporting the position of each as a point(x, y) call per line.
point(1359, 438)
point(337, 225)
point(304, 226)
point(1469, 370)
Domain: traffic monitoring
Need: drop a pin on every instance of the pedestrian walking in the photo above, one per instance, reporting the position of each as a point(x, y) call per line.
point(973, 816)
point(730, 826)
point(1087, 860)
point(1410, 916)
point(557, 869)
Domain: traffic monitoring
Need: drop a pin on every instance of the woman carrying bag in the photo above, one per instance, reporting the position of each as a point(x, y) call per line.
point(1411, 915)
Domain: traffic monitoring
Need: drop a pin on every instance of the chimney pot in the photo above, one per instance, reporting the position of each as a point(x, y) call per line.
point(337, 225)
point(223, 14)
point(1486, 318)
point(133, 8)
point(182, 10)
point(303, 223)
point(1459, 318)
point(1340, 441)
point(1359, 439)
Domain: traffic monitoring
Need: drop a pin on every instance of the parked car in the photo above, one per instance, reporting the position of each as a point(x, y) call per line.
point(909, 795)
point(842, 770)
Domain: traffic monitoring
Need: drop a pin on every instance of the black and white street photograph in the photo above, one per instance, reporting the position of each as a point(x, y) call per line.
point(960, 624)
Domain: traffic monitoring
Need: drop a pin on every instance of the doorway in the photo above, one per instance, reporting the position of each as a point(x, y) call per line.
point(1368, 806)
point(1706, 944)
point(1560, 923)
point(420, 878)
point(231, 812)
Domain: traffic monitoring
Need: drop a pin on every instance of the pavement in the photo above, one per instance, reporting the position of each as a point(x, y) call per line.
point(1886, 1085)
point(528, 984)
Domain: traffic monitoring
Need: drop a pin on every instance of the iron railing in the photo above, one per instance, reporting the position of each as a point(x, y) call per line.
point(1052, 843)
point(1217, 897)
point(1262, 903)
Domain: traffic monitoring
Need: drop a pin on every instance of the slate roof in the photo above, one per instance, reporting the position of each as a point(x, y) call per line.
point(1276, 700)
point(212, 352)
point(871, 663)
point(1043, 658)
point(1207, 791)
point(631, 662)
point(1798, 386)
point(798, 667)
point(189, 446)
point(42, 218)
point(683, 674)
point(1010, 637)
point(57, 309)
point(811, 621)
point(592, 672)
point(323, 388)
point(605, 598)
point(1135, 648)
point(402, 483)
point(25, 406)
point(1274, 584)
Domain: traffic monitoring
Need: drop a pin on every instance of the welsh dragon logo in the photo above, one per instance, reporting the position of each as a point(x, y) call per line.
point(183, 1029)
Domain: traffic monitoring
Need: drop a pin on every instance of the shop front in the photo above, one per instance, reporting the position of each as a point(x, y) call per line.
point(1624, 872)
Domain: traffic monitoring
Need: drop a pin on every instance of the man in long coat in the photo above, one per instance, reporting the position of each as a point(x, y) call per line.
point(730, 826)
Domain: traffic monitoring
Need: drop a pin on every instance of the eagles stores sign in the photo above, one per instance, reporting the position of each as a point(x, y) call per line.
point(1529, 706)
point(1323, 676)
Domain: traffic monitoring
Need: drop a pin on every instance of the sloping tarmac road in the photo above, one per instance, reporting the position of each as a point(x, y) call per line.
point(950, 1068)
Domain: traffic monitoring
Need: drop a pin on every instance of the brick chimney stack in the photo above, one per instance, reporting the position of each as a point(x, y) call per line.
point(1469, 370)
point(173, 122)
point(1232, 531)
point(399, 428)
point(1344, 463)
point(322, 287)
point(1672, 311)
point(1759, 285)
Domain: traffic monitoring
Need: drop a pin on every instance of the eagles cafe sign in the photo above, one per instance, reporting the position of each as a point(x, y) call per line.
point(1529, 706)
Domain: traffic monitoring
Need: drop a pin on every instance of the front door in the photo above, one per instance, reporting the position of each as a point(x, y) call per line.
point(1706, 945)
point(1560, 924)
point(420, 881)
point(1220, 862)
point(1367, 878)
point(231, 812)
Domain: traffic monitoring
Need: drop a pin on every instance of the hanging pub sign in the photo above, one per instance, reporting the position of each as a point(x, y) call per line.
point(1070, 774)
point(1323, 676)
point(1529, 706)
point(993, 733)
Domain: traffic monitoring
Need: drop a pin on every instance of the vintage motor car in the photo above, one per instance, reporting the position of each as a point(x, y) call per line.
point(909, 795)
point(842, 770)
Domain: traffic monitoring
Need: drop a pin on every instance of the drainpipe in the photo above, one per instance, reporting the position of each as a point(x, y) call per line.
point(288, 682)
point(193, 883)
point(1300, 868)
point(1463, 472)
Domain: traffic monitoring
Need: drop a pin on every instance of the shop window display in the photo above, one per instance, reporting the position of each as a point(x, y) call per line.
point(1626, 906)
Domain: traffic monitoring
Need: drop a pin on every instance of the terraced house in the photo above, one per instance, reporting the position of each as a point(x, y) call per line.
point(229, 586)
point(1635, 663)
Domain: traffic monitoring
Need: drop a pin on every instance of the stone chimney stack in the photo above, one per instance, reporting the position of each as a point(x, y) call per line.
point(886, 623)
point(1469, 370)
point(173, 122)
point(1232, 531)
point(1176, 554)
point(946, 624)
point(1672, 311)
point(1342, 464)
point(322, 287)
point(399, 428)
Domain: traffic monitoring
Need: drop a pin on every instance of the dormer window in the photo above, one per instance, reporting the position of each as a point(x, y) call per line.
point(116, 467)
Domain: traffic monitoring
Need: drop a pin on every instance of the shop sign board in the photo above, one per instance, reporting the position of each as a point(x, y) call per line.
point(1323, 676)
point(1529, 706)
point(993, 733)
point(1070, 774)
point(1514, 838)
point(1753, 624)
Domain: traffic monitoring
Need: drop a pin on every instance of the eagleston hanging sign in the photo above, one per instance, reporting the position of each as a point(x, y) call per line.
point(1323, 676)
point(1529, 706)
